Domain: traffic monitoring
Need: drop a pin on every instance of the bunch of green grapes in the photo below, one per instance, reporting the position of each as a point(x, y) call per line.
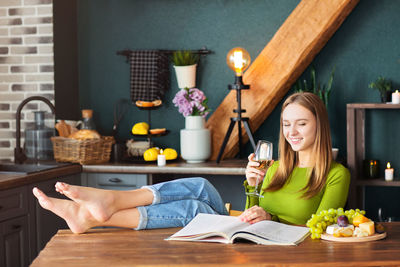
point(318, 222)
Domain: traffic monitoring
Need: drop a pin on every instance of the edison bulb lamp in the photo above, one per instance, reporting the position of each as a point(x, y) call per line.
point(238, 59)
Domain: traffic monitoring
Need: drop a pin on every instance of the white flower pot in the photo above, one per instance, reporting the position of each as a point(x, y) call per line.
point(186, 76)
point(195, 140)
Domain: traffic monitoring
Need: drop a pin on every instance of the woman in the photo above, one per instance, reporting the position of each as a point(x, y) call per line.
point(288, 194)
point(305, 180)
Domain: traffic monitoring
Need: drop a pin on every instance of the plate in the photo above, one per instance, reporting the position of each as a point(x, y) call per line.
point(354, 239)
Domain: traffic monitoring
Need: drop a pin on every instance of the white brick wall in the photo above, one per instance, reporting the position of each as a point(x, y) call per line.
point(26, 65)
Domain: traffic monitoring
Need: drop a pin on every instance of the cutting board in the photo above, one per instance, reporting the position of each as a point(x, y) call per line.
point(353, 239)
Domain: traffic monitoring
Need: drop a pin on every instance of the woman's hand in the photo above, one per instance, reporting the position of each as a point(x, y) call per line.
point(254, 214)
point(252, 173)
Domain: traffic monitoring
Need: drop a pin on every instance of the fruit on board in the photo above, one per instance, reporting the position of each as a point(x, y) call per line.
point(319, 222)
point(368, 227)
point(357, 220)
point(342, 221)
point(170, 154)
point(151, 154)
point(140, 128)
point(379, 228)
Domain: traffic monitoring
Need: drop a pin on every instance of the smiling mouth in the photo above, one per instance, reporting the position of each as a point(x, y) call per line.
point(295, 141)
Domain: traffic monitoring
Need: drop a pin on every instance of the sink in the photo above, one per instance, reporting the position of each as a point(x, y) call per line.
point(26, 168)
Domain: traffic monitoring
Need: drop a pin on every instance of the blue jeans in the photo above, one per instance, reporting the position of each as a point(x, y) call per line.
point(177, 202)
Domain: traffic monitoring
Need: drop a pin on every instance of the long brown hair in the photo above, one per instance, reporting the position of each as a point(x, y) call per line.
point(321, 151)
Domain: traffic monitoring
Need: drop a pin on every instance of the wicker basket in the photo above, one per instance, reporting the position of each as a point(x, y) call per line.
point(90, 151)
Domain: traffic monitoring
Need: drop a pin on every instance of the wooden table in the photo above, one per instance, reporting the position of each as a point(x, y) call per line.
point(115, 247)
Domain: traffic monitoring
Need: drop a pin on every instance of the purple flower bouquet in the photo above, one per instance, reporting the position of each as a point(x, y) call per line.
point(191, 102)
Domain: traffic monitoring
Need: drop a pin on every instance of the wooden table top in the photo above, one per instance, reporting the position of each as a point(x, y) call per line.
point(118, 247)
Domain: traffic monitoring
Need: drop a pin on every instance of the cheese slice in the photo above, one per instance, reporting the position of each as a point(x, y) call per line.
point(334, 228)
point(368, 227)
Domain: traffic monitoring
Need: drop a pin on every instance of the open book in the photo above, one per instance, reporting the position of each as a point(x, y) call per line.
point(228, 229)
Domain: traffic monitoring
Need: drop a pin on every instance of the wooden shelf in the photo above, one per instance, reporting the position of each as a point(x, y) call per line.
point(373, 106)
point(355, 117)
point(378, 182)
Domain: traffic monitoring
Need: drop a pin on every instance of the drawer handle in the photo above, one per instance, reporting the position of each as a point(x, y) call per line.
point(115, 180)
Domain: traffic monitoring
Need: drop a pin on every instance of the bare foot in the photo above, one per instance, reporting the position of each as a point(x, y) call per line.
point(78, 218)
point(98, 202)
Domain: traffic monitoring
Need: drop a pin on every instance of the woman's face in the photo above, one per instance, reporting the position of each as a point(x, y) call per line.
point(299, 127)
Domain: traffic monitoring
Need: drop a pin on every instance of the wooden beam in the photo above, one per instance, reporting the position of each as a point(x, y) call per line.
point(309, 27)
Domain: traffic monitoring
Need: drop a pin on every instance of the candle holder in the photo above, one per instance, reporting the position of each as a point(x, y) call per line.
point(371, 168)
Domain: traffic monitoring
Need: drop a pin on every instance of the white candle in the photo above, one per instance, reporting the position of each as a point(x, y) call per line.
point(161, 161)
point(389, 173)
point(396, 97)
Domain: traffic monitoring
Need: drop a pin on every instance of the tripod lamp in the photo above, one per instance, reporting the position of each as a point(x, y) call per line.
point(238, 59)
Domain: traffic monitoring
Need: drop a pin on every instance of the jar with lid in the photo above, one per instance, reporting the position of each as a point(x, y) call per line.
point(87, 119)
point(38, 144)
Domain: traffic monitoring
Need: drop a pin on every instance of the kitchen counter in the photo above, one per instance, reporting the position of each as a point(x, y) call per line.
point(226, 167)
point(10, 180)
point(120, 247)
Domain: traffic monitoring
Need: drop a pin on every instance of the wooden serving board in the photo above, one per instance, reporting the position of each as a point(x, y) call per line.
point(353, 239)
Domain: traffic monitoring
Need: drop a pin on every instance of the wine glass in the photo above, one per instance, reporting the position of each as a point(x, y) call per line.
point(263, 155)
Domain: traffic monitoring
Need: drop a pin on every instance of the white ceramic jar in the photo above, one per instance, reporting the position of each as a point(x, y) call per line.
point(195, 140)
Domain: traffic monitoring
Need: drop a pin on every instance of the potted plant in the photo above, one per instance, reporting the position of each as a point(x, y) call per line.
point(323, 91)
point(384, 86)
point(195, 138)
point(185, 63)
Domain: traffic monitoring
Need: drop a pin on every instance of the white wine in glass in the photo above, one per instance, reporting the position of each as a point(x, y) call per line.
point(263, 155)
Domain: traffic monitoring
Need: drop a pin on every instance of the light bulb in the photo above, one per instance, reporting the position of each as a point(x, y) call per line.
point(238, 59)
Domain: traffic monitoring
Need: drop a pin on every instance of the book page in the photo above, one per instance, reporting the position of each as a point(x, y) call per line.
point(211, 223)
point(278, 232)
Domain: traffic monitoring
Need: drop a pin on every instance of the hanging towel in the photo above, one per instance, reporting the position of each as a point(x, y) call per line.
point(149, 75)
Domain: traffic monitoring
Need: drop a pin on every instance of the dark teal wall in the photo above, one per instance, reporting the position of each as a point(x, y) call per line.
point(364, 47)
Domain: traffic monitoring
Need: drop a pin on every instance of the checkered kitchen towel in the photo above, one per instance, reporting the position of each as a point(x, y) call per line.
point(149, 74)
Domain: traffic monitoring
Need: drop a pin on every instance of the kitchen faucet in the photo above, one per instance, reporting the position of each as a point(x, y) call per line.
point(19, 154)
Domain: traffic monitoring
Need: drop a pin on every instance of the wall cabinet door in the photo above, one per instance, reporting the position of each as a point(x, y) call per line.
point(14, 242)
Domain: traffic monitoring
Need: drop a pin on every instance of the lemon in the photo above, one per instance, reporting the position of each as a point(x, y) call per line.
point(151, 154)
point(170, 154)
point(140, 128)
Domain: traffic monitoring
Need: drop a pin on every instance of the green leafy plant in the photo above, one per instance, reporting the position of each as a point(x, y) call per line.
point(383, 85)
point(184, 58)
point(323, 91)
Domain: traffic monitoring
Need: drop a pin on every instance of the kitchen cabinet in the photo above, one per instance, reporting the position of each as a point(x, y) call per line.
point(25, 227)
point(355, 113)
point(14, 238)
point(45, 223)
point(114, 181)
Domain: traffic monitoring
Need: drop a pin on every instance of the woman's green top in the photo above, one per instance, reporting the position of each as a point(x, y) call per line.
point(288, 206)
